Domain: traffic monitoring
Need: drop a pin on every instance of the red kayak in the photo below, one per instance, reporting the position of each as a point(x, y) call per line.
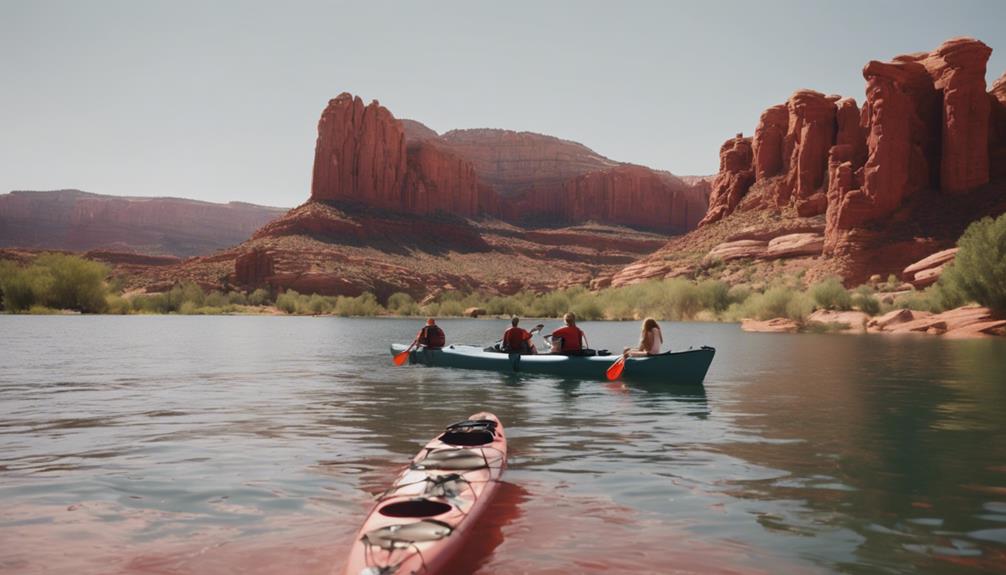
point(426, 516)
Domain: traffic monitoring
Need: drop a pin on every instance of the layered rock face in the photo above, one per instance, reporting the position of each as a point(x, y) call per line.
point(625, 195)
point(735, 176)
point(360, 154)
point(365, 155)
point(926, 123)
point(768, 142)
point(997, 135)
point(811, 134)
point(80, 221)
point(515, 162)
point(438, 180)
point(958, 71)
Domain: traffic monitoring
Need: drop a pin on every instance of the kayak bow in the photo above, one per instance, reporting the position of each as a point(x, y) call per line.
point(426, 516)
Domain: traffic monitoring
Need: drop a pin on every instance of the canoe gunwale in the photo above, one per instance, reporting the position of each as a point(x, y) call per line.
point(681, 367)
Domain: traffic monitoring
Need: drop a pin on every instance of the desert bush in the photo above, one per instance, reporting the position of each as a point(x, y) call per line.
point(451, 308)
point(682, 300)
point(402, 304)
point(777, 301)
point(56, 281)
point(738, 294)
point(978, 272)
point(831, 294)
point(287, 301)
point(259, 297)
point(215, 299)
point(116, 304)
point(587, 308)
point(866, 303)
point(237, 298)
point(504, 305)
point(362, 305)
point(77, 283)
point(714, 295)
point(317, 304)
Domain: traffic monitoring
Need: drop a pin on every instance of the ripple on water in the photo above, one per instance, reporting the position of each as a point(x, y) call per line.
point(223, 445)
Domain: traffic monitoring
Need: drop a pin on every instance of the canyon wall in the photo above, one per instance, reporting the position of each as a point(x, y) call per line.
point(926, 123)
point(80, 221)
point(515, 162)
point(367, 156)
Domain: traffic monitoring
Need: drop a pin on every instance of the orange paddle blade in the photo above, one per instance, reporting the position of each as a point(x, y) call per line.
point(615, 370)
point(401, 358)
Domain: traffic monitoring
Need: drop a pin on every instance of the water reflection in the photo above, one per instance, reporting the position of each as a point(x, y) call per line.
point(218, 445)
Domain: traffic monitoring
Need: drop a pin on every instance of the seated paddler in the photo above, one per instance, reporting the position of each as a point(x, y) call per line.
point(431, 336)
point(569, 339)
point(517, 339)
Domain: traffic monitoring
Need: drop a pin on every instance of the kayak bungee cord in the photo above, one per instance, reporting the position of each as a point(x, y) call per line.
point(438, 497)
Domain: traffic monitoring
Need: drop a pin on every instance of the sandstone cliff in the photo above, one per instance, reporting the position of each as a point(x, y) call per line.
point(515, 162)
point(80, 221)
point(895, 181)
point(365, 155)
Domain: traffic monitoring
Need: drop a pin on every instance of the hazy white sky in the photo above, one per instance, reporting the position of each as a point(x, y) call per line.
point(219, 100)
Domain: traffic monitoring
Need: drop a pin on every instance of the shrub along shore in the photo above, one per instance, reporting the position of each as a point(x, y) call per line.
point(57, 282)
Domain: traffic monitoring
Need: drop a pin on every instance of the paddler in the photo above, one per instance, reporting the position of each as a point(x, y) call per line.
point(650, 340)
point(431, 336)
point(569, 339)
point(517, 339)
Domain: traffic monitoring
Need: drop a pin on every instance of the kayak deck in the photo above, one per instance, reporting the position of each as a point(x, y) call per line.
point(424, 519)
point(682, 367)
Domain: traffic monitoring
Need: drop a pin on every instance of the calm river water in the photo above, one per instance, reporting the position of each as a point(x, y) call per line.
point(209, 445)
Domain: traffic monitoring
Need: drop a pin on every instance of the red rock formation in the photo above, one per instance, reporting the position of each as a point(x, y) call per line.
point(890, 116)
point(957, 68)
point(850, 131)
point(253, 267)
point(997, 133)
point(129, 259)
point(417, 131)
point(795, 245)
point(734, 178)
point(360, 154)
point(805, 149)
point(365, 155)
point(767, 144)
point(438, 180)
point(624, 195)
point(926, 271)
point(737, 249)
point(514, 162)
point(79, 221)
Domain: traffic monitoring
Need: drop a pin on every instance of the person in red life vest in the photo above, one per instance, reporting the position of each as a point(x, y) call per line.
point(431, 336)
point(517, 339)
point(569, 339)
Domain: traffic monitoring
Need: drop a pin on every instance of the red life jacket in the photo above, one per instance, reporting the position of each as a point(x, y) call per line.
point(433, 337)
point(515, 338)
point(571, 338)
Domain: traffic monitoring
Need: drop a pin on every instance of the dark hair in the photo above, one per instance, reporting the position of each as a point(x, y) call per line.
point(514, 321)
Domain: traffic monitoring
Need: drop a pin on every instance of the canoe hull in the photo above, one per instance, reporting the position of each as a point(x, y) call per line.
point(684, 367)
point(424, 519)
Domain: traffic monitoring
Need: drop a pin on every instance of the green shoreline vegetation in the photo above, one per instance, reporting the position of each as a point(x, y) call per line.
point(53, 283)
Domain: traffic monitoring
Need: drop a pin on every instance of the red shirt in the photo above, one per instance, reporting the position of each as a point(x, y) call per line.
point(570, 335)
point(514, 338)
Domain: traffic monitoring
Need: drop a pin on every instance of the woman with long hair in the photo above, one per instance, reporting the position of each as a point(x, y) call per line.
point(650, 340)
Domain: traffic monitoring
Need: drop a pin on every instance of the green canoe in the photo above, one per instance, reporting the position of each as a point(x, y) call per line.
point(681, 367)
